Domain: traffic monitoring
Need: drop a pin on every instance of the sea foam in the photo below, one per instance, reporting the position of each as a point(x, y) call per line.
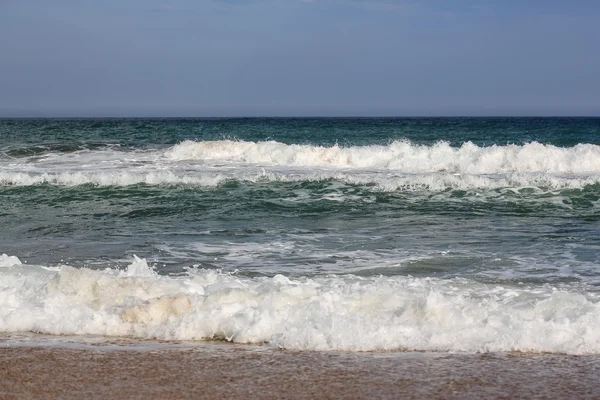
point(320, 313)
point(9, 261)
point(401, 155)
point(398, 166)
point(382, 182)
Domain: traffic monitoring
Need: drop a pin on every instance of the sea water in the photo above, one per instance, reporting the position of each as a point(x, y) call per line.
point(437, 234)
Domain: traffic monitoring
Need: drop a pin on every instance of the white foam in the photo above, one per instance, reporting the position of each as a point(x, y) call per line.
point(139, 268)
point(401, 155)
point(9, 261)
point(399, 165)
point(376, 181)
point(108, 178)
point(322, 313)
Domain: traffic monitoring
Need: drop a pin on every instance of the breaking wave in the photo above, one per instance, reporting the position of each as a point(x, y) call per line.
point(402, 156)
point(541, 183)
point(397, 166)
point(321, 313)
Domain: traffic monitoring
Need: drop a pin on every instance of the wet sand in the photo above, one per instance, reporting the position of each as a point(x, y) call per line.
point(236, 371)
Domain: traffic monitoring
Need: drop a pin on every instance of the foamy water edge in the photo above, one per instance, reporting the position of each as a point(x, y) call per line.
point(343, 312)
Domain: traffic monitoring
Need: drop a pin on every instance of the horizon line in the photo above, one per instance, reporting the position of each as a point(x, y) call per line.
point(294, 116)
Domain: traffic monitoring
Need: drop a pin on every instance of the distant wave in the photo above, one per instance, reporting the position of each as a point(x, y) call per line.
point(397, 166)
point(401, 156)
point(323, 313)
point(108, 178)
point(372, 182)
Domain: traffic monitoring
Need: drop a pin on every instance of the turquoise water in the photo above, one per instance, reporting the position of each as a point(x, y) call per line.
point(498, 202)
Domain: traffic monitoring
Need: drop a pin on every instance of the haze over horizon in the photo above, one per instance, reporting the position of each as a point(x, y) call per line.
point(214, 58)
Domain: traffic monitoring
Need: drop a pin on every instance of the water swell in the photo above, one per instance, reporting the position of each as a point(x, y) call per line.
point(33, 150)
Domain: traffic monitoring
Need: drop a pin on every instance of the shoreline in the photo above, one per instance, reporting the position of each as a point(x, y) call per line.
point(217, 370)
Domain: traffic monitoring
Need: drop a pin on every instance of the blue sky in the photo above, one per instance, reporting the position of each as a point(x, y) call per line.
point(295, 57)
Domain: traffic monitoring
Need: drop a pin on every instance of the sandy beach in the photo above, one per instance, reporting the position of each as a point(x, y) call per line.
point(221, 370)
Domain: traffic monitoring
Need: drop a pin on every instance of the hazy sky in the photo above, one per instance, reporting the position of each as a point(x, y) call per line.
point(294, 57)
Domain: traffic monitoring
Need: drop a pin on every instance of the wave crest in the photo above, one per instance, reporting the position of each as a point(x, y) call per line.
point(400, 155)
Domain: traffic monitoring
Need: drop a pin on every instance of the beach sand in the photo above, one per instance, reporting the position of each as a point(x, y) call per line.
point(222, 370)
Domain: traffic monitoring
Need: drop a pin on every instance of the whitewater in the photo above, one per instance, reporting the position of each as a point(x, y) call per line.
point(327, 313)
point(400, 164)
point(465, 235)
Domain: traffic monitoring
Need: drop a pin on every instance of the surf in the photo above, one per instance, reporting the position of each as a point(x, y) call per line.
point(320, 313)
point(401, 156)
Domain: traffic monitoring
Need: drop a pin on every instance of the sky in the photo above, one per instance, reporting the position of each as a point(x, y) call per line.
point(299, 57)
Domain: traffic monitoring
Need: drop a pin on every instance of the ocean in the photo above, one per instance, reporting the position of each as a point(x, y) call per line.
point(452, 235)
